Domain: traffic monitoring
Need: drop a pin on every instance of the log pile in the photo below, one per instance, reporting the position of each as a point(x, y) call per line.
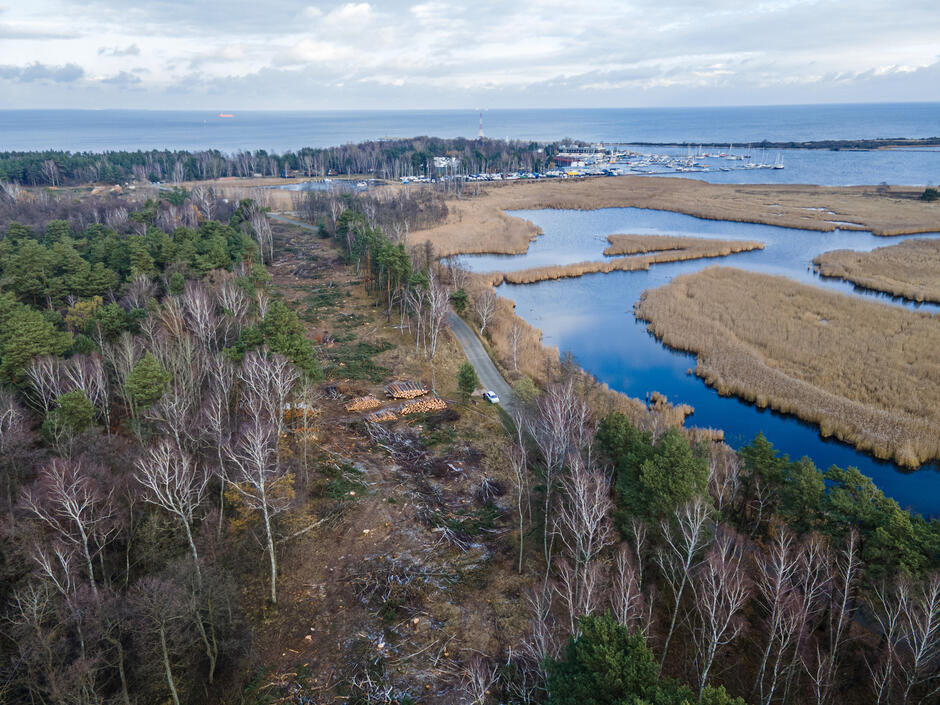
point(405, 389)
point(363, 403)
point(423, 405)
point(381, 415)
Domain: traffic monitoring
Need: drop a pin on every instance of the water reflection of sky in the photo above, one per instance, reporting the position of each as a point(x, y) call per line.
point(592, 317)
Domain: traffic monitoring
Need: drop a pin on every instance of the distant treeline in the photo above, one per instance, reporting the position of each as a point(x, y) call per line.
point(879, 143)
point(388, 159)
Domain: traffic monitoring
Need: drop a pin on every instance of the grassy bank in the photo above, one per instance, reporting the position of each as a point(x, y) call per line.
point(910, 269)
point(864, 372)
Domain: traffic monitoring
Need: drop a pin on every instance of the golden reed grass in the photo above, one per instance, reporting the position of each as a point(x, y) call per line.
point(669, 249)
point(480, 224)
point(910, 269)
point(866, 373)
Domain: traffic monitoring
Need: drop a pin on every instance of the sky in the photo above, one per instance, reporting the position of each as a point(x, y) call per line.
point(303, 55)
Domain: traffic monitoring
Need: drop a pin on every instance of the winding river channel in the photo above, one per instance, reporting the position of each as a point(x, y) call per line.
point(592, 317)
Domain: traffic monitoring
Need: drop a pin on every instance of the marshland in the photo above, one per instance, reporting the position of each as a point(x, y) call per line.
point(910, 269)
point(866, 373)
point(570, 312)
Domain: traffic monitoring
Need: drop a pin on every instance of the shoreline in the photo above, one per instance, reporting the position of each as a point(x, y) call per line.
point(482, 225)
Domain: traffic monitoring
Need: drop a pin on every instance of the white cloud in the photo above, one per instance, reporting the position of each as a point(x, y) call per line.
point(424, 52)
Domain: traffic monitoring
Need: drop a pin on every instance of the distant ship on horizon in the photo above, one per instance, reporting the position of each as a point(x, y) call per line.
point(226, 115)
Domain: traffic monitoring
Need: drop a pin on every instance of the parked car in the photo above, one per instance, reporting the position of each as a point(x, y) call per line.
point(491, 397)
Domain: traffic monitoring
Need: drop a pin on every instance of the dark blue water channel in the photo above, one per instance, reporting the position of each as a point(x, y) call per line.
point(592, 317)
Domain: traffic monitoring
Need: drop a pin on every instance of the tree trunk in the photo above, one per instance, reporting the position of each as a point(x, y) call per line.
point(166, 666)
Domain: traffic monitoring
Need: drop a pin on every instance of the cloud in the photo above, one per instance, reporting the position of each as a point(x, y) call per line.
point(129, 50)
point(124, 79)
point(37, 72)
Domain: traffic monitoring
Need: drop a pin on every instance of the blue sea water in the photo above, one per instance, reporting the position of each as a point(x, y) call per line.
point(105, 130)
point(102, 130)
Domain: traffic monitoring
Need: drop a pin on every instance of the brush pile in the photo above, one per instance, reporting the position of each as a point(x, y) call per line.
point(363, 403)
point(423, 406)
point(405, 389)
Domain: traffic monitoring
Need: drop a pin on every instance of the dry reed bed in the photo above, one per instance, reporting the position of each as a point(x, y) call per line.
point(672, 249)
point(865, 372)
point(643, 244)
point(480, 225)
point(910, 269)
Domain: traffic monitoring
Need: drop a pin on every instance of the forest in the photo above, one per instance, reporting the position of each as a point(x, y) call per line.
point(181, 478)
point(386, 159)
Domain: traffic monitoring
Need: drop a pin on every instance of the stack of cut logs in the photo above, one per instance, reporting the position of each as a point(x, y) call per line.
point(382, 415)
point(363, 403)
point(405, 390)
point(423, 405)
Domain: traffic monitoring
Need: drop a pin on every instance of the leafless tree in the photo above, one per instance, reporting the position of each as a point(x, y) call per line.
point(174, 413)
point(44, 374)
point(909, 617)
point(812, 586)
point(235, 305)
point(199, 304)
point(268, 383)
point(841, 600)
point(50, 170)
point(485, 306)
point(777, 571)
point(515, 337)
point(159, 606)
point(56, 563)
point(684, 539)
point(68, 500)
point(139, 291)
point(174, 484)
point(721, 589)
point(724, 476)
point(259, 480)
point(438, 304)
point(543, 644)
point(626, 596)
point(477, 678)
point(558, 429)
point(517, 460)
point(457, 272)
point(585, 529)
point(116, 217)
point(204, 198)
point(12, 190)
point(87, 373)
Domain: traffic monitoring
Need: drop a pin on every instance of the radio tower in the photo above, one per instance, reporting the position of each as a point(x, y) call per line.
point(480, 133)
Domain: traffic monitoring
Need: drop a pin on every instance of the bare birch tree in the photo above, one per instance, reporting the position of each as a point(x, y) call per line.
point(515, 337)
point(626, 595)
point(263, 487)
point(841, 611)
point(70, 502)
point(721, 589)
point(174, 484)
point(777, 569)
point(585, 529)
point(684, 539)
point(485, 306)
